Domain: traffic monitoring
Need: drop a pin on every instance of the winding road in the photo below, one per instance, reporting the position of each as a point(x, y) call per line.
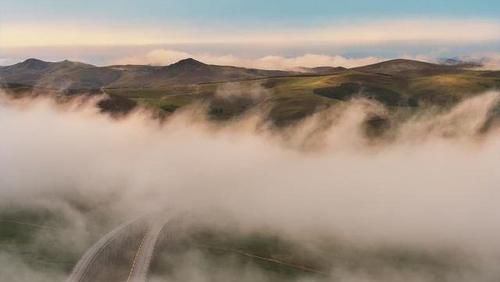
point(139, 267)
point(144, 255)
point(86, 262)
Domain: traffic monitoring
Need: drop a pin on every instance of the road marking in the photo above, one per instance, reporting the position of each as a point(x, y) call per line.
point(82, 267)
point(273, 260)
point(145, 252)
point(136, 256)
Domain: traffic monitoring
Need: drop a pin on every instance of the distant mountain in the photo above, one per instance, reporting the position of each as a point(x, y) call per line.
point(74, 75)
point(289, 96)
point(405, 67)
point(187, 71)
point(58, 75)
point(462, 63)
point(68, 75)
point(27, 72)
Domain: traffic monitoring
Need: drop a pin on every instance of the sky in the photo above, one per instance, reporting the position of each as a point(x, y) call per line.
point(239, 12)
point(239, 32)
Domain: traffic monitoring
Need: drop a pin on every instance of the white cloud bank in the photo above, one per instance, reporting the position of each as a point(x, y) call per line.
point(434, 187)
point(435, 184)
point(161, 57)
point(166, 57)
point(489, 61)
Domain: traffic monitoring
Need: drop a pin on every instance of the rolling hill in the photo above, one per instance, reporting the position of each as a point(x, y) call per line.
point(230, 91)
point(403, 67)
point(79, 76)
point(59, 75)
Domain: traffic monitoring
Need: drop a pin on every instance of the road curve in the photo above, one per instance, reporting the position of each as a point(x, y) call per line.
point(140, 266)
point(82, 268)
point(143, 256)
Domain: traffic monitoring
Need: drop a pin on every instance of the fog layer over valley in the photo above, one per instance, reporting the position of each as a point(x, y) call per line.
point(418, 202)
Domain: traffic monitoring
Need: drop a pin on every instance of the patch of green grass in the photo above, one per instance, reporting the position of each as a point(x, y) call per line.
point(295, 97)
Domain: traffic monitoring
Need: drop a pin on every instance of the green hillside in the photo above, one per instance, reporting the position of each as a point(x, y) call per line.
point(231, 91)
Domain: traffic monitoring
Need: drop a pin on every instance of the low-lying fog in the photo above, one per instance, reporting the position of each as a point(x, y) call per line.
point(432, 183)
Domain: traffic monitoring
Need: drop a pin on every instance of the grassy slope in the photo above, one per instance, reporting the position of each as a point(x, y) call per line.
point(396, 83)
point(294, 97)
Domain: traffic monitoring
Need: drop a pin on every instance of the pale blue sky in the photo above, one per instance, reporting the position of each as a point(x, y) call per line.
point(242, 12)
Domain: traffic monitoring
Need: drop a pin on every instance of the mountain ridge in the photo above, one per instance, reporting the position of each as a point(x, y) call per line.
point(230, 91)
point(77, 75)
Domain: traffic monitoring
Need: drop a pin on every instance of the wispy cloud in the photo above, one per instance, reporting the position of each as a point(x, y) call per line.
point(490, 61)
point(167, 56)
point(161, 57)
point(354, 34)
